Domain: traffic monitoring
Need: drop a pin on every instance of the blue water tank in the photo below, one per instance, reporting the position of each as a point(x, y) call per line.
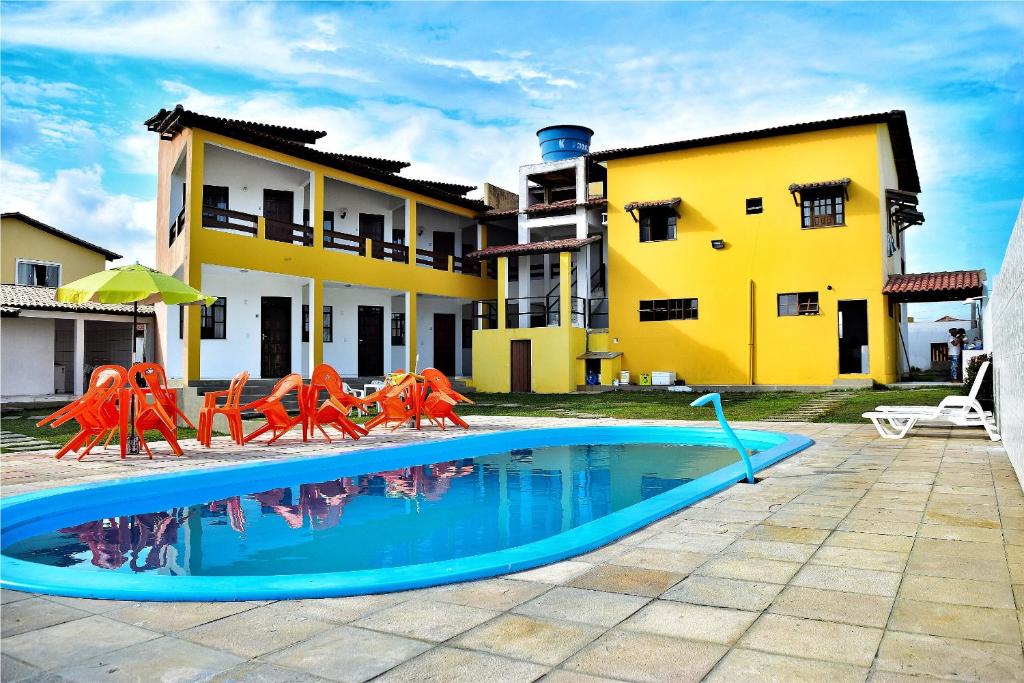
point(564, 142)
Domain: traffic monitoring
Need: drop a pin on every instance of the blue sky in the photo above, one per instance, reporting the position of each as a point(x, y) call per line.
point(459, 89)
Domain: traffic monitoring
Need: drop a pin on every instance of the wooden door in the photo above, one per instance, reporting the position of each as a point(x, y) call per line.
point(372, 225)
point(444, 246)
point(444, 343)
point(371, 341)
point(278, 209)
point(522, 371)
point(276, 336)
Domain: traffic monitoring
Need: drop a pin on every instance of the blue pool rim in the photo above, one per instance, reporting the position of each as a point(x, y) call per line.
point(39, 512)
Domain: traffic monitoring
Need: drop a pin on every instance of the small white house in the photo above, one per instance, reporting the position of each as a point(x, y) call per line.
point(927, 340)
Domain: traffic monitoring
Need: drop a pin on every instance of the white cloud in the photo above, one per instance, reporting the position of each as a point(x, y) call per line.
point(75, 201)
point(245, 36)
point(33, 91)
point(502, 71)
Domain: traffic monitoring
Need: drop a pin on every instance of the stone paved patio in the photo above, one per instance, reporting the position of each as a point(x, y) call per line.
point(858, 559)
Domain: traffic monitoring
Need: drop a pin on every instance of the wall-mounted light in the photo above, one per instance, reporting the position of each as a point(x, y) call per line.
point(718, 244)
point(342, 212)
point(419, 231)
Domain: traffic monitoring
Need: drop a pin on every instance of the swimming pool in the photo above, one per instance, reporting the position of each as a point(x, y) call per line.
point(368, 521)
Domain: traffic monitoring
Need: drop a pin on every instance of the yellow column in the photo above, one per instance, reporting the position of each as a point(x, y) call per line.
point(191, 352)
point(316, 205)
point(565, 287)
point(502, 289)
point(410, 231)
point(193, 270)
point(410, 331)
point(316, 321)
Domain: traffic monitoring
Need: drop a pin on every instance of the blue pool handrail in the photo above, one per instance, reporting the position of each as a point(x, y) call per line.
point(716, 399)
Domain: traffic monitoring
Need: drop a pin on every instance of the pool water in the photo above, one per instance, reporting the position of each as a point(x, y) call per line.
point(408, 516)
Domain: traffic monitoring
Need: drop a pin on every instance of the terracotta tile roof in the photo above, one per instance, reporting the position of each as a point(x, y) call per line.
point(543, 209)
point(17, 297)
point(943, 286)
point(169, 123)
point(896, 120)
point(548, 247)
point(799, 187)
point(39, 225)
point(454, 188)
point(499, 213)
point(653, 204)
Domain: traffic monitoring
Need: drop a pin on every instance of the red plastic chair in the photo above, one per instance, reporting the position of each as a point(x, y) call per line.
point(95, 411)
point(154, 415)
point(334, 411)
point(229, 409)
point(279, 422)
point(399, 403)
point(439, 405)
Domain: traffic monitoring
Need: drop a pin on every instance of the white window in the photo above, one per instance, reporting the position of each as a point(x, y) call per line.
point(37, 273)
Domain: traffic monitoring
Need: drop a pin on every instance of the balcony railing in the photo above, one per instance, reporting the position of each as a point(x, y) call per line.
point(176, 227)
point(358, 245)
point(288, 232)
point(226, 219)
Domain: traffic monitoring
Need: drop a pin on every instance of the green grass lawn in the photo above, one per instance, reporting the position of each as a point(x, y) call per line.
point(665, 405)
point(661, 405)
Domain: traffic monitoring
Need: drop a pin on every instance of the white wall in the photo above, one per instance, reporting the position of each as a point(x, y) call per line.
point(343, 352)
point(237, 171)
point(356, 200)
point(1006, 315)
point(426, 307)
point(430, 219)
point(26, 356)
point(922, 334)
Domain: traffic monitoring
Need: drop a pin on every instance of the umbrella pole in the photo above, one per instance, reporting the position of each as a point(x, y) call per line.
point(133, 440)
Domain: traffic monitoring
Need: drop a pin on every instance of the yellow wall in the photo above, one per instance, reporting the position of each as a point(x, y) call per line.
point(19, 240)
point(769, 249)
point(553, 351)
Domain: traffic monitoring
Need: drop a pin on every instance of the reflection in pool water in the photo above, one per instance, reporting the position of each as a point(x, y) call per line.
point(385, 519)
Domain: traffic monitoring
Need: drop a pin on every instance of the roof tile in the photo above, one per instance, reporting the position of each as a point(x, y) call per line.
point(43, 299)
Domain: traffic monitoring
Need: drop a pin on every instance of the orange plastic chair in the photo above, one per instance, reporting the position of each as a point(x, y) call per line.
point(154, 415)
point(279, 422)
point(232, 399)
point(95, 411)
point(440, 403)
point(399, 403)
point(155, 379)
point(334, 411)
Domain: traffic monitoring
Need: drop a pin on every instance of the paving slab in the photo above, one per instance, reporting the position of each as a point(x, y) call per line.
point(692, 622)
point(544, 641)
point(453, 665)
point(645, 657)
point(426, 619)
point(957, 591)
point(625, 579)
point(849, 580)
point(717, 591)
point(64, 644)
point(919, 654)
point(751, 666)
point(256, 631)
point(814, 639)
point(348, 654)
point(176, 660)
point(34, 614)
point(828, 605)
point(599, 608)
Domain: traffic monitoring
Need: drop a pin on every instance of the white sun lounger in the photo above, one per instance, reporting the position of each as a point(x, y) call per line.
point(895, 422)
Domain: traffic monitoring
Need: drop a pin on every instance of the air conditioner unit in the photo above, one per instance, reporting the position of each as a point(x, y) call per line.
point(604, 218)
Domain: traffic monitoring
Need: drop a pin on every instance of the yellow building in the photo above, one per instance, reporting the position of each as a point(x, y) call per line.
point(755, 258)
point(256, 215)
point(50, 347)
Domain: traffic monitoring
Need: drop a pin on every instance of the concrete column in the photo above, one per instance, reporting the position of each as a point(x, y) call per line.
point(192, 343)
point(316, 321)
point(410, 332)
point(78, 364)
point(502, 289)
point(481, 243)
point(565, 284)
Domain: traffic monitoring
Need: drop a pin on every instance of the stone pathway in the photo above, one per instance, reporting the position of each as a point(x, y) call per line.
point(857, 559)
point(14, 442)
point(812, 409)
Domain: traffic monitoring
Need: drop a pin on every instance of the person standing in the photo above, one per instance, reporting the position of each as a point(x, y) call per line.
point(954, 343)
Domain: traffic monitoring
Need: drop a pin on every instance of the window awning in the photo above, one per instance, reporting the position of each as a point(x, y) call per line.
point(599, 355)
point(934, 287)
point(632, 207)
point(530, 248)
point(799, 188)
